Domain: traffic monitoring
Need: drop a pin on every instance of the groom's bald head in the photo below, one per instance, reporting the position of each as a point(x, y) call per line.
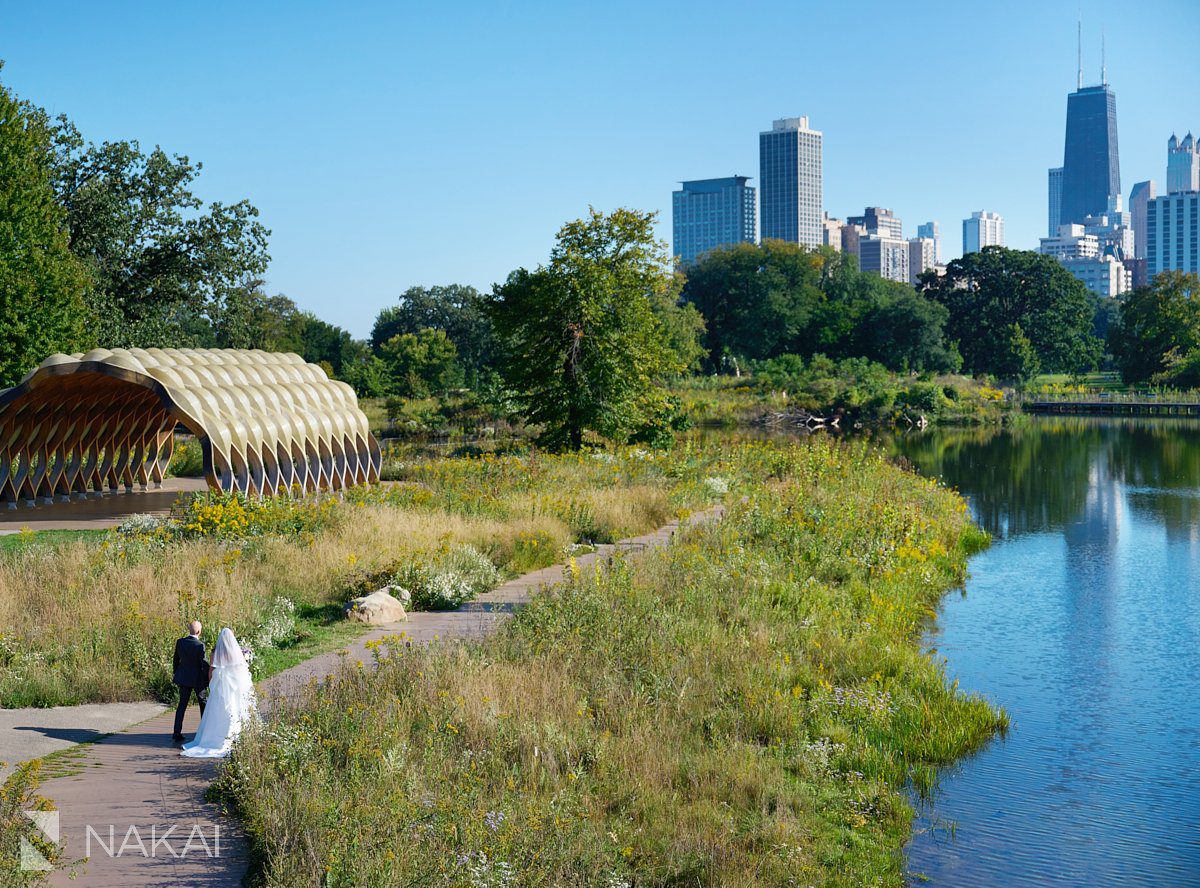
point(194, 627)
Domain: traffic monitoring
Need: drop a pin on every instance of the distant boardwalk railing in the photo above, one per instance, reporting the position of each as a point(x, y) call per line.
point(1115, 404)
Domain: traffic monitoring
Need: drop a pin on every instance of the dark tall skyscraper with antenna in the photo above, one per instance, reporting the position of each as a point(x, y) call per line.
point(1091, 170)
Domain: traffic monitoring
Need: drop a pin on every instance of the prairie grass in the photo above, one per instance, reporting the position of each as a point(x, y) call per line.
point(93, 618)
point(746, 707)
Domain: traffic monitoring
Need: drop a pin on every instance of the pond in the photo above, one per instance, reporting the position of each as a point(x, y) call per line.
point(1083, 621)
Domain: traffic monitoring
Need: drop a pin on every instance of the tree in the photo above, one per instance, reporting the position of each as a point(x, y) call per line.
point(422, 363)
point(757, 301)
point(999, 300)
point(457, 310)
point(1158, 329)
point(161, 263)
point(41, 281)
point(583, 338)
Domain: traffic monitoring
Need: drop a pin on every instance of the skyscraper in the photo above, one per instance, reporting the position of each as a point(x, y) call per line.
point(1054, 217)
point(1139, 198)
point(1091, 170)
point(931, 231)
point(1183, 164)
point(1173, 219)
point(885, 255)
point(922, 256)
point(878, 220)
point(789, 157)
point(711, 213)
point(983, 229)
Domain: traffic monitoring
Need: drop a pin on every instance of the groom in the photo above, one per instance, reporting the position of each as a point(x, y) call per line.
point(191, 674)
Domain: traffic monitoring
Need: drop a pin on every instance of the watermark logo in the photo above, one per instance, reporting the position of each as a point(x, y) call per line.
point(166, 843)
point(33, 860)
point(173, 841)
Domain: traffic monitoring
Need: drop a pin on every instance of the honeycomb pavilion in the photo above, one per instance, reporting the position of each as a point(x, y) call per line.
point(100, 421)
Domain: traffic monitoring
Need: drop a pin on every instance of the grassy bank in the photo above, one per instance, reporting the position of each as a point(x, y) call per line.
point(94, 618)
point(861, 391)
point(746, 707)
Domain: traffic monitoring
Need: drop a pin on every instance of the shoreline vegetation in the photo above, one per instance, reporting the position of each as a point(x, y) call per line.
point(748, 703)
point(748, 706)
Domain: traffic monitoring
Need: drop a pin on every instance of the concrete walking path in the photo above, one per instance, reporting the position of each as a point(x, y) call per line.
point(97, 513)
point(128, 789)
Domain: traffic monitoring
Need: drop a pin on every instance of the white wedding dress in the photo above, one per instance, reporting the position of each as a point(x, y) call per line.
point(231, 702)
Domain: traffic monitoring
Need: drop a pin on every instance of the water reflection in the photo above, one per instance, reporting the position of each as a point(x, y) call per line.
point(1082, 620)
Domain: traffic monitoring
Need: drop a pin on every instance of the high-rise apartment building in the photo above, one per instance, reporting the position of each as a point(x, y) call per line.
point(1071, 242)
point(1091, 169)
point(1104, 276)
point(789, 175)
point(711, 213)
point(1139, 198)
point(851, 236)
point(1183, 164)
point(931, 231)
point(877, 220)
point(922, 256)
point(885, 255)
point(1173, 233)
point(1054, 201)
point(1173, 219)
point(983, 229)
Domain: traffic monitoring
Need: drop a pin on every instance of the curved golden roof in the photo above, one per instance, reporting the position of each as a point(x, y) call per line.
point(266, 421)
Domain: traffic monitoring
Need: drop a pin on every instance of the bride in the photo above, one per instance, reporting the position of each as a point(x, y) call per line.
point(231, 701)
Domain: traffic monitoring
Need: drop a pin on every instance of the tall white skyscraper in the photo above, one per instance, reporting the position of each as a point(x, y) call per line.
point(1183, 165)
point(1173, 219)
point(983, 229)
point(790, 182)
point(922, 256)
point(931, 231)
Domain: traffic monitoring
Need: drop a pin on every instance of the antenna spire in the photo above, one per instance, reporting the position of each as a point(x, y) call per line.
point(1103, 63)
point(1079, 52)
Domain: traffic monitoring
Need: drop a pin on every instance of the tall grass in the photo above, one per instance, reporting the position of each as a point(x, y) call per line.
point(95, 619)
point(745, 707)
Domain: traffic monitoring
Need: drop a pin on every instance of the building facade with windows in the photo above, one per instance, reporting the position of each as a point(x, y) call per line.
point(1139, 200)
point(983, 229)
point(790, 179)
point(1104, 275)
point(1091, 169)
point(1054, 201)
point(711, 213)
point(922, 256)
point(933, 232)
point(1183, 164)
point(885, 255)
point(1173, 233)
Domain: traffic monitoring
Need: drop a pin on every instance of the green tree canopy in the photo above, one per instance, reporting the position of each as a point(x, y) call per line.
point(1158, 329)
point(422, 363)
point(584, 341)
point(457, 310)
point(41, 281)
point(762, 301)
point(1012, 312)
point(162, 264)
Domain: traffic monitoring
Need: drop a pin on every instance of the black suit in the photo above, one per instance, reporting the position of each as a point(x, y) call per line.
point(191, 674)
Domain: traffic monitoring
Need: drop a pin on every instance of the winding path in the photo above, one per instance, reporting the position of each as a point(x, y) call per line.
point(122, 794)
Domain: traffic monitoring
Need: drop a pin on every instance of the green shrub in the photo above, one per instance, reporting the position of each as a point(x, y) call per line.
point(187, 460)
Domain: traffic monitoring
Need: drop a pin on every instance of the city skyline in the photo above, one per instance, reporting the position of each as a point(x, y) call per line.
point(378, 142)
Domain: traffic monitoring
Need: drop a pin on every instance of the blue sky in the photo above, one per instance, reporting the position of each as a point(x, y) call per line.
point(393, 144)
